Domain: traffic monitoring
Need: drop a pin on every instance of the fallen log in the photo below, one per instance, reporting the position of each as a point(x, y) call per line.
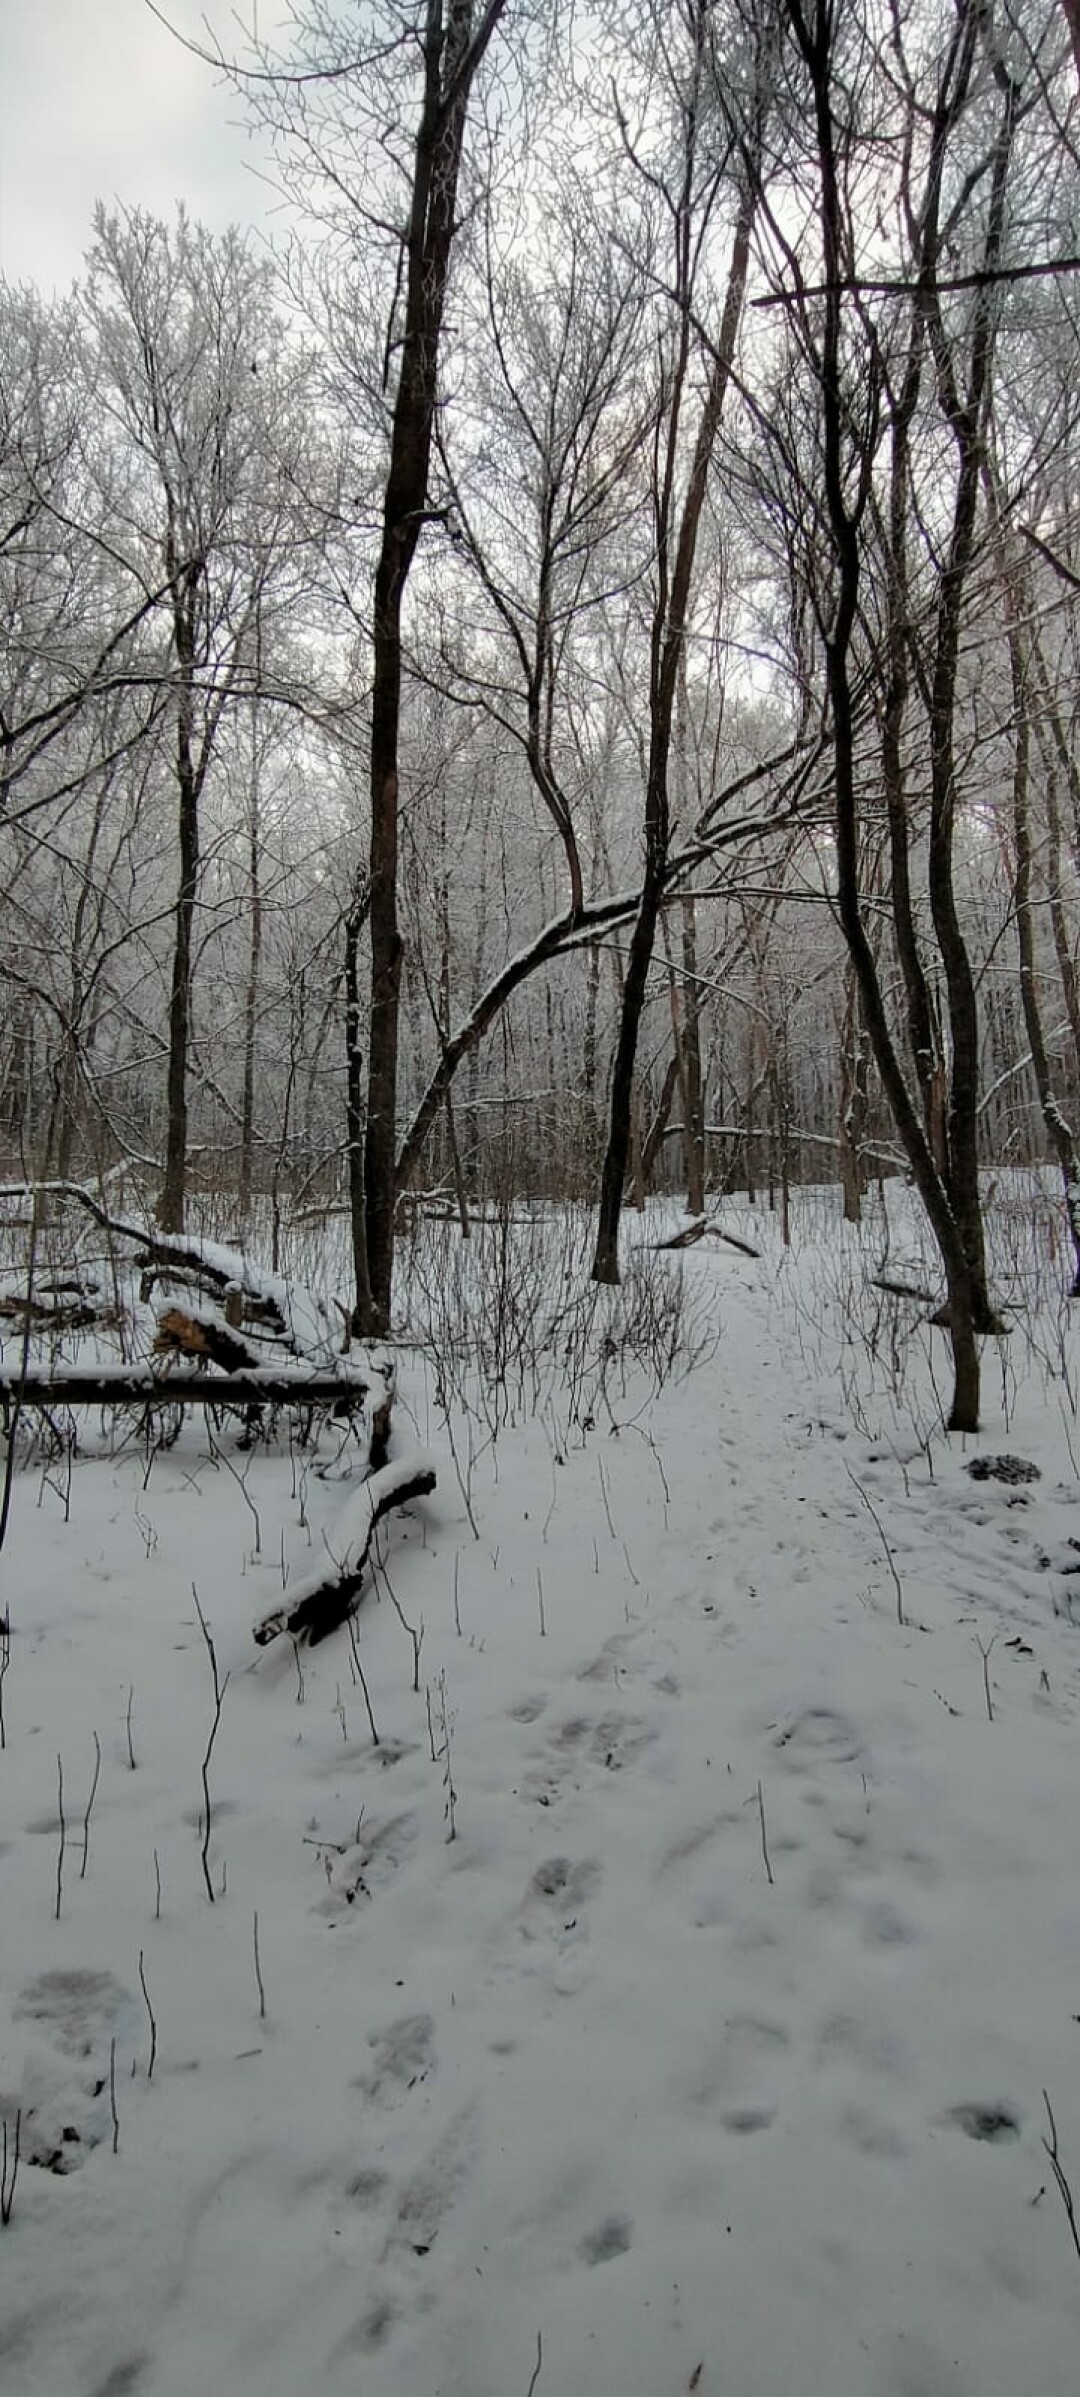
point(685, 1239)
point(731, 1240)
point(298, 1315)
point(140, 1385)
point(706, 1231)
point(895, 1288)
point(323, 1599)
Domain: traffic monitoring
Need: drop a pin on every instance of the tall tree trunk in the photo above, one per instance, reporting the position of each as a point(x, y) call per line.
point(923, 1031)
point(669, 637)
point(174, 1186)
point(854, 1070)
point(845, 517)
point(251, 991)
point(1059, 1131)
point(452, 51)
point(354, 1106)
point(966, 415)
point(694, 1119)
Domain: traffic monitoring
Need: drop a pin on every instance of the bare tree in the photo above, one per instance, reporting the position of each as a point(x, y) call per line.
point(688, 207)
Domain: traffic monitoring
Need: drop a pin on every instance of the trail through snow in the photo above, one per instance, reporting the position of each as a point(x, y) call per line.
point(712, 2049)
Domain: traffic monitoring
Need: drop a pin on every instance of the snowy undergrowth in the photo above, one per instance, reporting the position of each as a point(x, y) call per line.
point(709, 2052)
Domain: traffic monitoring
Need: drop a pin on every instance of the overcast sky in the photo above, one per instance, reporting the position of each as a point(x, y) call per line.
point(98, 102)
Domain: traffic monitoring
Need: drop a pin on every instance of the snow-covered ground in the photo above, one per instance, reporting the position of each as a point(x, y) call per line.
point(710, 2053)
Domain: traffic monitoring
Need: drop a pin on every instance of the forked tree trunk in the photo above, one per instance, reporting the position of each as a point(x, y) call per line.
point(846, 508)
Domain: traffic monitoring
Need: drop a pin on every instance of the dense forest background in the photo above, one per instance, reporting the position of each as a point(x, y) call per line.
point(562, 679)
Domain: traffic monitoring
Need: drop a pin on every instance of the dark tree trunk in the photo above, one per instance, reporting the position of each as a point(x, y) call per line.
point(845, 516)
point(923, 1033)
point(354, 1106)
point(854, 1076)
point(642, 943)
point(452, 52)
point(174, 1186)
point(251, 999)
point(668, 642)
point(1059, 1131)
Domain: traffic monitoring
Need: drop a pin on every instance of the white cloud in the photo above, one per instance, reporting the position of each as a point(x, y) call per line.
point(98, 101)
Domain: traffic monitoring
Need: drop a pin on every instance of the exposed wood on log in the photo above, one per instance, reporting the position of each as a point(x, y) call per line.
point(328, 1595)
point(175, 1255)
point(204, 1339)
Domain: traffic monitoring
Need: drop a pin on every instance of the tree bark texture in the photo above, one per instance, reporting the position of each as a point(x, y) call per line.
point(452, 51)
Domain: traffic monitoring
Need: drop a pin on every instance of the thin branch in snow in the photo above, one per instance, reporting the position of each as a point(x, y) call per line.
point(984, 1648)
point(537, 2367)
point(220, 1688)
point(258, 1965)
point(764, 1838)
point(90, 1808)
point(63, 1835)
point(876, 1520)
point(1051, 2146)
point(153, 2022)
point(9, 2172)
point(361, 1675)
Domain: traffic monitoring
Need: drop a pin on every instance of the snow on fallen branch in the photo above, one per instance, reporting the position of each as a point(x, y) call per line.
point(305, 1323)
point(325, 1596)
point(96, 1385)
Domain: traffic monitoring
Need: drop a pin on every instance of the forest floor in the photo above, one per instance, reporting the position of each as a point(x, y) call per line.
point(710, 2052)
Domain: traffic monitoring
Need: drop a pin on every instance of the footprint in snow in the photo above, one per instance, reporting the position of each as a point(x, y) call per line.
point(404, 2055)
point(736, 2081)
point(865, 2041)
point(528, 1710)
point(696, 1839)
point(992, 2123)
point(553, 1919)
point(79, 2011)
point(612, 2237)
point(367, 2188)
point(369, 1864)
point(620, 1659)
point(75, 2015)
point(817, 1736)
point(427, 2195)
point(870, 2133)
point(610, 1740)
point(557, 1890)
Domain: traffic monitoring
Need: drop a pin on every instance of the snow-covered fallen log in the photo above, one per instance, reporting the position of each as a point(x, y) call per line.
point(95, 1385)
point(331, 1590)
point(300, 1317)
